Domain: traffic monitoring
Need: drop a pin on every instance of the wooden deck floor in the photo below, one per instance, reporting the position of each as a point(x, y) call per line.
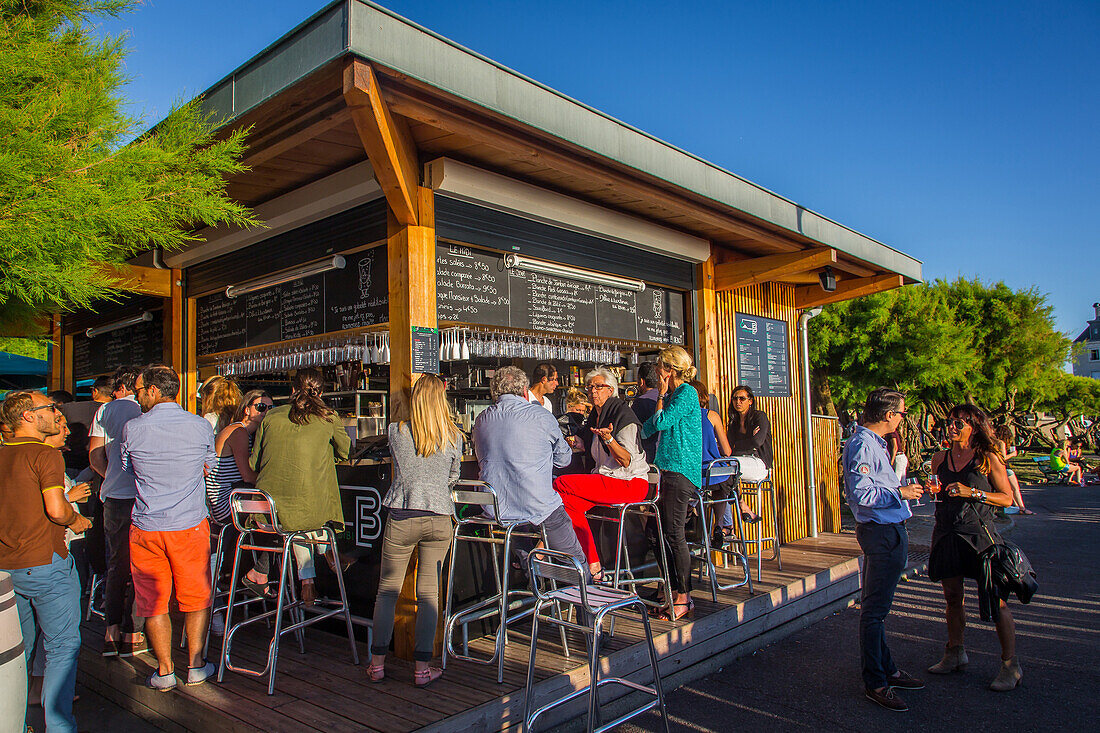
point(323, 691)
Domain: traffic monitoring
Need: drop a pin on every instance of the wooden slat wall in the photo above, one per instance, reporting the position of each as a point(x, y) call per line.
point(826, 445)
point(770, 300)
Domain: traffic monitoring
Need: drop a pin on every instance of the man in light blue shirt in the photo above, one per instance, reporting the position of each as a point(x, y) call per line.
point(518, 445)
point(168, 451)
point(880, 505)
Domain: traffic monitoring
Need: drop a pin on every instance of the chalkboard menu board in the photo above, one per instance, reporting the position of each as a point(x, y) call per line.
point(474, 286)
point(141, 344)
point(763, 358)
point(353, 297)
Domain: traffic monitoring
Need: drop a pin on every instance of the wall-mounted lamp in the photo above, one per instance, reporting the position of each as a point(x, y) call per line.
point(828, 280)
point(588, 276)
point(336, 262)
point(144, 317)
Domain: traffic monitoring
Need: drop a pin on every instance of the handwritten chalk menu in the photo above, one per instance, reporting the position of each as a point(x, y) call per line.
point(337, 300)
point(141, 344)
point(763, 358)
point(473, 286)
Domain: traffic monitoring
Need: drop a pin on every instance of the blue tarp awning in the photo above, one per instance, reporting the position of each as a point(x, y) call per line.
point(15, 365)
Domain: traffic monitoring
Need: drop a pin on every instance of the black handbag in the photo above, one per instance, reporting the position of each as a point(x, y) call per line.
point(1006, 567)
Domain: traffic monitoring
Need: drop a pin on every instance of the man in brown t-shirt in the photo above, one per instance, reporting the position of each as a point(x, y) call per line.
point(33, 516)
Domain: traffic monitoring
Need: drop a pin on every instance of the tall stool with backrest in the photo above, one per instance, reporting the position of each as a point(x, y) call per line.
point(254, 513)
point(760, 490)
point(558, 578)
point(625, 575)
point(509, 605)
point(722, 468)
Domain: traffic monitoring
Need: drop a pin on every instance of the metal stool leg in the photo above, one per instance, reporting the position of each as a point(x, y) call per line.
point(656, 668)
point(527, 703)
point(450, 590)
point(231, 602)
point(344, 600)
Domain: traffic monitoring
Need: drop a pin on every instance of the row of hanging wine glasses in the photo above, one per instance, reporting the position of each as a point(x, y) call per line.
point(513, 345)
point(376, 348)
point(326, 352)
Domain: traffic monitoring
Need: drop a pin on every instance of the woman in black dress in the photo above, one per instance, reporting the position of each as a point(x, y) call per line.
point(972, 474)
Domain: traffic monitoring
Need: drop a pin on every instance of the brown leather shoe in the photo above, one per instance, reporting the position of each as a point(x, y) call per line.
point(309, 591)
point(887, 698)
point(905, 681)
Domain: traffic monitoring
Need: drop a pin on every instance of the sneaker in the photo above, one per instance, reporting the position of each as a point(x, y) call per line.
point(905, 681)
point(110, 648)
point(217, 624)
point(887, 698)
point(198, 675)
point(133, 648)
point(162, 682)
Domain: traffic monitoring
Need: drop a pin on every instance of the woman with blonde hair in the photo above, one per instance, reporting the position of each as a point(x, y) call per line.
point(220, 399)
point(427, 456)
point(680, 458)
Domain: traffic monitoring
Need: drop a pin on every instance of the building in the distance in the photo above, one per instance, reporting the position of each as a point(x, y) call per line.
point(1086, 362)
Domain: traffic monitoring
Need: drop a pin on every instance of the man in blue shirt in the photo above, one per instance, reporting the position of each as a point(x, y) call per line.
point(518, 444)
point(167, 451)
point(880, 505)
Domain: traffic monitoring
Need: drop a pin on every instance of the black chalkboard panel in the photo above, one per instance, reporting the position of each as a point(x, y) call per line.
point(358, 295)
point(473, 286)
point(337, 300)
point(763, 358)
point(141, 344)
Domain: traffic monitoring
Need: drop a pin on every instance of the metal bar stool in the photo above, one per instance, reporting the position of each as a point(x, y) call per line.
point(594, 603)
point(508, 604)
point(254, 513)
point(758, 489)
point(625, 576)
point(721, 468)
point(94, 585)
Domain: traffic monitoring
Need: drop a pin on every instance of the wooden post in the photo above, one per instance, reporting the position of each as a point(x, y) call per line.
point(57, 354)
point(706, 321)
point(179, 327)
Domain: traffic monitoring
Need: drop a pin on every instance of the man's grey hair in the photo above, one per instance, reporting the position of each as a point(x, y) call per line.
point(608, 377)
point(508, 380)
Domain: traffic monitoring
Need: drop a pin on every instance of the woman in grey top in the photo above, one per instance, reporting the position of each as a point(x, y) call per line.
point(427, 454)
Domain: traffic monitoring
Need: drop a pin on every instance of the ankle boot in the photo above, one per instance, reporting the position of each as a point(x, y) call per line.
point(1008, 676)
point(954, 660)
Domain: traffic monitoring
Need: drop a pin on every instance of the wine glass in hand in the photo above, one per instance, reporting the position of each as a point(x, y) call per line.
point(934, 487)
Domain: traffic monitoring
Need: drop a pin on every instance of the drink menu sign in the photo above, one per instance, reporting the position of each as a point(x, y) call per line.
point(474, 286)
point(337, 300)
point(763, 356)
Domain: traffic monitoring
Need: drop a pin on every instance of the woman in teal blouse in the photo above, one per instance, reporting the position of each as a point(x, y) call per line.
point(680, 458)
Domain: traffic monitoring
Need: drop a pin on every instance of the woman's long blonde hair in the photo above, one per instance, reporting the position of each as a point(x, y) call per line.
point(676, 359)
point(430, 419)
point(222, 397)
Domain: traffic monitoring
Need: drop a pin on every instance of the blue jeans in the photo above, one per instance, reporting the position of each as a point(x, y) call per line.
point(886, 550)
point(52, 594)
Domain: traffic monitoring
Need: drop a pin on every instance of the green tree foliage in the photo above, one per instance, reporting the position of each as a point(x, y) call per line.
point(944, 343)
point(71, 189)
point(34, 348)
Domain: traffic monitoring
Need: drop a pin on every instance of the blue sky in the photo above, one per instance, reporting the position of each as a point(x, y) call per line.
point(964, 134)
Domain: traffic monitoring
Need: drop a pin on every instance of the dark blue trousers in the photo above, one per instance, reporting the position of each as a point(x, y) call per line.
point(886, 550)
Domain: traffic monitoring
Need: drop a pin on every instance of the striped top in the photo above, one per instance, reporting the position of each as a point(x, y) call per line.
point(220, 480)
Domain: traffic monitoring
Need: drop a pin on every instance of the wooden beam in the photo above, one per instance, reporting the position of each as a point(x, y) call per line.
point(706, 321)
point(57, 356)
point(526, 147)
point(136, 279)
point(808, 296)
point(387, 140)
point(274, 143)
point(734, 275)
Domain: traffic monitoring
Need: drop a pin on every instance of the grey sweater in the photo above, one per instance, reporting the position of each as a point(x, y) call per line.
point(419, 482)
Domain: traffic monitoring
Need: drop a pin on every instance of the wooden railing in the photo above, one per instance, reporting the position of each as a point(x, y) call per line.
point(825, 433)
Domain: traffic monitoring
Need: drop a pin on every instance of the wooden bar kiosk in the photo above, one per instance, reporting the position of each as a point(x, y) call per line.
point(428, 210)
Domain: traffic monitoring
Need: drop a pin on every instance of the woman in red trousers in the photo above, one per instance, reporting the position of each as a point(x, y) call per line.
point(612, 437)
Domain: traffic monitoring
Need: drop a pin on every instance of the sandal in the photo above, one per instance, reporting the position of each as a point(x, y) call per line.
point(263, 590)
point(376, 672)
point(1026, 511)
point(665, 615)
point(424, 677)
point(750, 517)
point(598, 576)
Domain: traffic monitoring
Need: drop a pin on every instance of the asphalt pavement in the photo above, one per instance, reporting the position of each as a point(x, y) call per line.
point(810, 680)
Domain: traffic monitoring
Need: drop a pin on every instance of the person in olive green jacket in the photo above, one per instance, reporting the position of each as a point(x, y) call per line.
point(294, 456)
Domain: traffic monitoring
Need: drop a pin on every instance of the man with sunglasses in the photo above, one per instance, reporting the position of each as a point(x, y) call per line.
point(880, 505)
point(33, 516)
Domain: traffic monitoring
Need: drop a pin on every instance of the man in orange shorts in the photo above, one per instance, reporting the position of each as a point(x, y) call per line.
point(167, 450)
